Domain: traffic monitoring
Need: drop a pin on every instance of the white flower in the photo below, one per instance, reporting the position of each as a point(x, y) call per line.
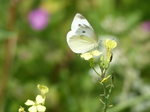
point(36, 106)
point(89, 55)
point(43, 89)
point(21, 109)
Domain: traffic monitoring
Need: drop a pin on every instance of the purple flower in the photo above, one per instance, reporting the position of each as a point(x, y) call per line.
point(146, 26)
point(38, 19)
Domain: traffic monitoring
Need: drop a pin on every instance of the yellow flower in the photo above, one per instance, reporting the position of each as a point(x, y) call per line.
point(43, 89)
point(21, 109)
point(110, 44)
point(36, 106)
point(89, 55)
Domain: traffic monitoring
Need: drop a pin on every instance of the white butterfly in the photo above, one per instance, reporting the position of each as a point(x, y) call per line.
point(82, 37)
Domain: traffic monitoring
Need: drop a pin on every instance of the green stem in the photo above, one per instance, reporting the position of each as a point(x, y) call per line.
point(105, 92)
point(111, 86)
point(105, 95)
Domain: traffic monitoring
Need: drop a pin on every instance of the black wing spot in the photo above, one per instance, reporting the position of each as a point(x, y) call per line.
point(79, 25)
point(83, 31)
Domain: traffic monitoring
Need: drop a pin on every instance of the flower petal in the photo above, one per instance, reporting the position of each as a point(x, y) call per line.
point(96, 53)
point(43, 89)
point(21, 109)
point(41, 108)
point(32, 109)
point(29, 102)
point(89, 55)
point(39, 99)
point(86, 56)
point(110, 44)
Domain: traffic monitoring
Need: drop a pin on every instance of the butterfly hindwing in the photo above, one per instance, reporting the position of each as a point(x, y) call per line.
point(81, 43)
point(82, 37)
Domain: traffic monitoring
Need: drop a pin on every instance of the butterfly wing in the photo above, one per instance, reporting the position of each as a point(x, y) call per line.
point(82, 37)
point(79, 20)
point(80, 42)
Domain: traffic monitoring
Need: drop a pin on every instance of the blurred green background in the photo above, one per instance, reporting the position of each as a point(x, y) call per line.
point(33, 53)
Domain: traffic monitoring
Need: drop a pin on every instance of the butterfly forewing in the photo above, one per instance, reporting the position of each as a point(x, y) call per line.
point(87, 31)
point(82, 37)
point(78, 21)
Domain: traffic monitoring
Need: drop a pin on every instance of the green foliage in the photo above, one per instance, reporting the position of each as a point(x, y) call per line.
point(43, 57)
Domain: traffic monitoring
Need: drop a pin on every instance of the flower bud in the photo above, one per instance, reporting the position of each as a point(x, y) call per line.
point(102, 61)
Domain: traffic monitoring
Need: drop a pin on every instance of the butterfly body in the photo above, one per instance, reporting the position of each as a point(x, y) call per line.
point(82, 37)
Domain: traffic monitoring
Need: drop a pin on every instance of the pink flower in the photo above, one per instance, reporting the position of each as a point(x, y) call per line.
point(146, 26)
point(38, 19)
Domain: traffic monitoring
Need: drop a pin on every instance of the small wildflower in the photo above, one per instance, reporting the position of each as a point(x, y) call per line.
point(38, 19)
point(21, 109)
point(105, 79)
point(89, 55)
point(110, 44)
point(36, 106)
point(146, 26)
point(43, 89)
